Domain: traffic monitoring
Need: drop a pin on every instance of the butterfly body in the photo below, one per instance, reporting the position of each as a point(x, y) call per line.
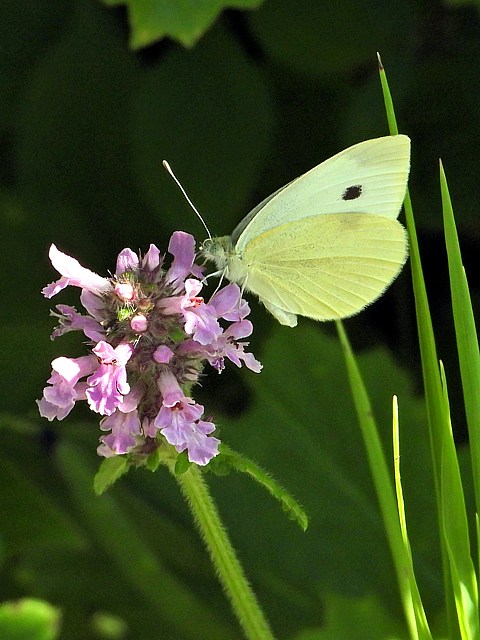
point(227, 260)
point(327, 244)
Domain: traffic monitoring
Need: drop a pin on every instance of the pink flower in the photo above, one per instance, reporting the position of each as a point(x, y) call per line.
point(201, 446)
point(127, 261)
point(163, 354)
point(95, 305)
point(124, 427)
point(59, 399)
point(228, 303)
point(71, 320)
point(174, 418)
point(108, 385)
point(151, 260)
point(200, 318)
point(193, 436)
point(125, 291)
point(148, 428)
point(227, 346)
point(170, 389)
point(180, 424)
point(73, 274)
point(150, 333)
point(182, 247)
point(139, 323)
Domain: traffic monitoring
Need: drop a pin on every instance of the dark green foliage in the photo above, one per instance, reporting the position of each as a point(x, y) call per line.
point(85, 122)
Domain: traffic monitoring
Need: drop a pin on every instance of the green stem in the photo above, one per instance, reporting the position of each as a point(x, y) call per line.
point(223, 556)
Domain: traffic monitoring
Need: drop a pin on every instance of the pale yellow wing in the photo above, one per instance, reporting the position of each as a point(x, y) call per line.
point(370, 177)
point(325, 267)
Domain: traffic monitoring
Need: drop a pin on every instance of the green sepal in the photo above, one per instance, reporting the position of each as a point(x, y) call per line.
point(177, 335)
point(110, 470)
point(182, 463)
point(220, 465)
point(123, 313)
point(153, 460)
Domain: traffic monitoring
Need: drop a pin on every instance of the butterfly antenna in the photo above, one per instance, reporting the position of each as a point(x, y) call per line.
point(169, 169)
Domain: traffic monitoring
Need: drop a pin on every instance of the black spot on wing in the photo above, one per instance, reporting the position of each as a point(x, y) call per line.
point(353, 192)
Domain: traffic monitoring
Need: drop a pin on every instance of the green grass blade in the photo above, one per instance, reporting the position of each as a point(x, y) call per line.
point(431, 375)
point(387, 99)
point(477, 531)
point(418, 612)
point(467, 342)
point(382, 480)
point(455, 530)
point(430, 369)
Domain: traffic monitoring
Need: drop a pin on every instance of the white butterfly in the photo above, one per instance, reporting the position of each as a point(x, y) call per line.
point(328, 243)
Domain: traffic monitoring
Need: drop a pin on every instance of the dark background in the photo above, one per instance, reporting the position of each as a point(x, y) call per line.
point(85, 122)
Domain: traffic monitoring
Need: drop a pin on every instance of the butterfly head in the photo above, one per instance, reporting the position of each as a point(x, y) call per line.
point(218, 250)
point(228, 261)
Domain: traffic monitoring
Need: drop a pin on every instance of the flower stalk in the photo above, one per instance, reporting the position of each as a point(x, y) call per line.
point(150, 334)
point(223, 556)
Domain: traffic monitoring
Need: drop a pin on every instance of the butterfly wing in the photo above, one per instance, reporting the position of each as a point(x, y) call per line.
point(324, 267)
point(370, 177)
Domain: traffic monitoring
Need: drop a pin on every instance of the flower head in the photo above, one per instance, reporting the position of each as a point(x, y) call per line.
point(150, 333)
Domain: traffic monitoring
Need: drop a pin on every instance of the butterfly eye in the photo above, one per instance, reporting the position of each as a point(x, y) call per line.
point(353, 192)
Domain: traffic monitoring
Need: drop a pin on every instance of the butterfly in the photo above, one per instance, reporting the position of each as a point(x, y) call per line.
point(328, 243)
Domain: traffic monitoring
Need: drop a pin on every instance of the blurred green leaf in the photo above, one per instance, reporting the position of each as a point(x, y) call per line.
point(83, 170)
point(108, 626)
point(110, 470)
point(244, 465)
point(29, 619)
point(21, 497)
point(212, 122)
point(27, 30)
point(186, 21)
point(305, 36)
point(355, 619)
point(27, 375)
point(462, 3)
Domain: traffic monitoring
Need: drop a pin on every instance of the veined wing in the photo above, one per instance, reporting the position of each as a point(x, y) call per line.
point(326, 267)
point(370, 177)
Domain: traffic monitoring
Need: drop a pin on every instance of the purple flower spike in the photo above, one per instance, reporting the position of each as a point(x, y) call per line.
point(151, 333)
